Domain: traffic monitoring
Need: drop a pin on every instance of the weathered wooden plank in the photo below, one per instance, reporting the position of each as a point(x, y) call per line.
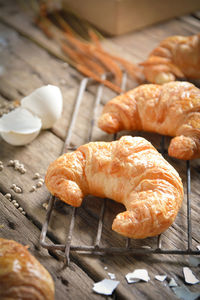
point(25, 24)
point(69, 283)
point(85, 231)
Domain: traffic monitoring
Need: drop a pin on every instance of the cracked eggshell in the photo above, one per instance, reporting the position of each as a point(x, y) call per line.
point(19, 127)
point(46, 102)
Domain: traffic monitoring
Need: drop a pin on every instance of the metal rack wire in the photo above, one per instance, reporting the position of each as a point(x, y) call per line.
point(96, 248)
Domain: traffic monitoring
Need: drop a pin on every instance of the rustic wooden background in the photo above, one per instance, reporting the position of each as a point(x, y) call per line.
point(29, 60)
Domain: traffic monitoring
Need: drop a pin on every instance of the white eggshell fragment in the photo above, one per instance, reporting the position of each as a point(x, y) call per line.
point(19, 127)
point(160, 277)
point(46, 102)
point(105, 286)
point(189, 276)
point(172, 283)
point(137, 275)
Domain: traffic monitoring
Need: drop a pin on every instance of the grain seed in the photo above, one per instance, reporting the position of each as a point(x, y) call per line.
point(17, 190)
point(22, 170)
point(33, 189)
point(11, 162)
point(8, 196)
point(45, 205)
point(36, 176)
point(39, 184)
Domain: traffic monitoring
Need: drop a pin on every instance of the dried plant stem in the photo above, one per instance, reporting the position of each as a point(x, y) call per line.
point(92, 51)
point(88, 58)
point(80, 58)
point(91, 74)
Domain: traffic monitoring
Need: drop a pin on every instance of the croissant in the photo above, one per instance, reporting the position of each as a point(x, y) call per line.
point(171, 109)
point(22, 277)
point(176, 56)
point(129, 171)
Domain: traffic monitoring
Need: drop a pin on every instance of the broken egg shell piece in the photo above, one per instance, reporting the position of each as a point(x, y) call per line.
point(160, 277)
point(189, 276)
point(137, 275)
point(46, 102)
point(19, 127)
point(105, 286)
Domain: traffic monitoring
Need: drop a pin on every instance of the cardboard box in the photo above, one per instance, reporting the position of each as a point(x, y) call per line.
point(116, 17)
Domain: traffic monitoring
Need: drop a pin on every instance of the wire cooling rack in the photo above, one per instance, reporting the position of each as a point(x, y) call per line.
point(96, 248)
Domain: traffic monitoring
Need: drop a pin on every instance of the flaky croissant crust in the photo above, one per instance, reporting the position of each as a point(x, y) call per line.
point(171, 109)
point(22, 277)
point(130, 171)
point(175, 57)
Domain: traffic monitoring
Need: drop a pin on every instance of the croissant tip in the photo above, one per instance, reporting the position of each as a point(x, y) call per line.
point(109, 123)
point(182, 147)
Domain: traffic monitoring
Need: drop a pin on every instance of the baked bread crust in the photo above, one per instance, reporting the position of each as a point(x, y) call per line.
point(21, 275)
point(175, 57)
point(171, 109)
point(129, 171)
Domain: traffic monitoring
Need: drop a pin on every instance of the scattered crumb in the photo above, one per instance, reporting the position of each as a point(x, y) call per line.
point(45, 205)
point(17, 166)
point(105, 286)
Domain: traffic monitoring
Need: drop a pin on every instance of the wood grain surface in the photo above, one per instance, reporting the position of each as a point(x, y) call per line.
point(29, 60)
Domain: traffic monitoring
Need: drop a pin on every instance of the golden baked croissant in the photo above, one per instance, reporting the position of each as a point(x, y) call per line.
point(129, 171)
point(176, 56)
point(171, 109)
point(22, 277)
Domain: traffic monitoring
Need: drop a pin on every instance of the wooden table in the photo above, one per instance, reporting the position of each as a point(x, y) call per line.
point(29, 60)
